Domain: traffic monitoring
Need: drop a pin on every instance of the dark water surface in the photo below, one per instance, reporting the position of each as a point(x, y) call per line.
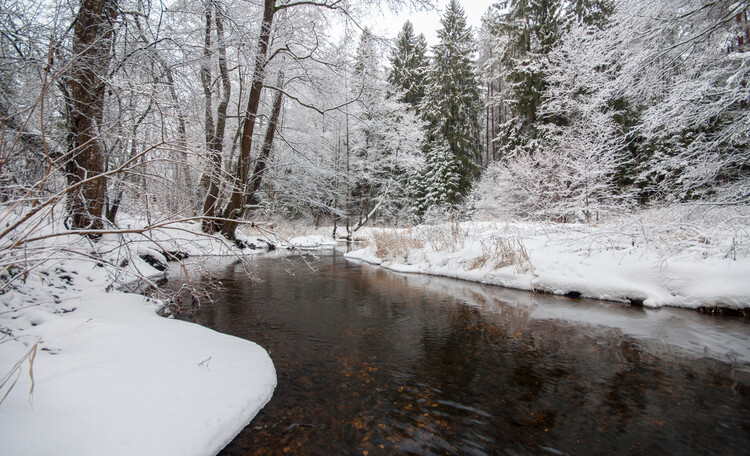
point(372, 362)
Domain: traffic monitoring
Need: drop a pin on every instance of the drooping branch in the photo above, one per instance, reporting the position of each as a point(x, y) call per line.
point(321, 111)
point(330, 5)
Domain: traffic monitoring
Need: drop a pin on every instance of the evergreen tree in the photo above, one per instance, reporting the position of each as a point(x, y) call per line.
point(452, 103)
point(387, 139)
point(409, 64)
point(594, 13)
point(526, 30)
point(441, 181)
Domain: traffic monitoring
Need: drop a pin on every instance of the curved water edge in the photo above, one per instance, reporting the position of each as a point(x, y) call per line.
point(666, 328)
point(380, 362)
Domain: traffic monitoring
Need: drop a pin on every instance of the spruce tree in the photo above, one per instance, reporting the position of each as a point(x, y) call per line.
point(591, 12)
point(452, 104)
point(409, 64)
point(386, 139)
point(441, 181)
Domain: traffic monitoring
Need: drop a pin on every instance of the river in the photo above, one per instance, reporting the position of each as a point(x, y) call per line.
point(373, 362)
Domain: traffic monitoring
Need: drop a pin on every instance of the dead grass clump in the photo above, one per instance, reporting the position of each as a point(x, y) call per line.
point(501, 253)
point(447, 238)
point(395, 245)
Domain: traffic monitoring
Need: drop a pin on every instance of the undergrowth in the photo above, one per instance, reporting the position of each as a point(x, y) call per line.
point(501, 253)
point(395, 245)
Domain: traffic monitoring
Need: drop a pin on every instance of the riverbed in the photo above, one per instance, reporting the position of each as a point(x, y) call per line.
point(375, 362)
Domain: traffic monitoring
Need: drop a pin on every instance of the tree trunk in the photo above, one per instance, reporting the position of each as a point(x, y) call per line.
point(85, 88)
point(265, 153)
point(214, 132)
point(213, 171)
point(236, 204)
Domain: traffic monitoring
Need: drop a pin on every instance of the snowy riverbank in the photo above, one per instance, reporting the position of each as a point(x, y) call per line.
point(658, 258)
point(94, 370)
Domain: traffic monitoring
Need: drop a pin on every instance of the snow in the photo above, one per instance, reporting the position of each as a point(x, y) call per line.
point(110, 375)
point(311, 241)
point(668, 330)
point(653, 263)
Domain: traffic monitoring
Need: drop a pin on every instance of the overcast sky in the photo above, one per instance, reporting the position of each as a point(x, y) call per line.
point(429, 22)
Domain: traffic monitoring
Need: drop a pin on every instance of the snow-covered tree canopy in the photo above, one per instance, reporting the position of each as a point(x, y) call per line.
point(637, 102)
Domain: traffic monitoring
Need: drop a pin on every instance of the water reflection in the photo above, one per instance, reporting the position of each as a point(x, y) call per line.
point(372, 362)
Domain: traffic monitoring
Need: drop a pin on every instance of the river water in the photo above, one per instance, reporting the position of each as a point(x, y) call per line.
point(372, 362)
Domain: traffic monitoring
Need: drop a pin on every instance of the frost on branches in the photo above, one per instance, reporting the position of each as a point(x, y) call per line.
point(641, 102)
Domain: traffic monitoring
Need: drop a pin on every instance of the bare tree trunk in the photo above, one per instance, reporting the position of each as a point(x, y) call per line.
point(214, 133)
point(236, 204)
point(85, 89)
point(213, 172)
point(265, 153)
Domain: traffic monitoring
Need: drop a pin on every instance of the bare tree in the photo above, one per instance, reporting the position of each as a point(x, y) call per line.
point(84, 88)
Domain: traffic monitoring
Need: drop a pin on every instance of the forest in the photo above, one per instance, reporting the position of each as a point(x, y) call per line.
point(236, 111)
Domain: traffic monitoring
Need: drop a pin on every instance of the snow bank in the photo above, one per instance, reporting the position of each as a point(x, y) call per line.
point(656, 265)
point(109, 375)
point(311, 242)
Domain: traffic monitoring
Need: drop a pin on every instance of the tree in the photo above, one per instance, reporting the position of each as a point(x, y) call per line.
point(690, 88)
point(594, 13)
point(409, 65)
point(85, 93)
point(214, 131)
point(386, 142)
point(441, 181)
point(236, 203)
point(452, 103)
point(524, 32)
point(673, 77)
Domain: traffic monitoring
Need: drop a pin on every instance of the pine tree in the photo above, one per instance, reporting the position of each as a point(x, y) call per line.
point(452, 103)
point(409, 64)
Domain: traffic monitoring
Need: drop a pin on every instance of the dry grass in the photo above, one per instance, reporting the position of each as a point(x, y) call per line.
point(501, 253)
point(444, 238)
point(395, 245)
point(10, 379)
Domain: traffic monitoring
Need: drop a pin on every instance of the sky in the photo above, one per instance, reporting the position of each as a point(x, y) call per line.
point(428, 22)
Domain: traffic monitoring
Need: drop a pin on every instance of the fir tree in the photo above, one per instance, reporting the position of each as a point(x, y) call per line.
point(409, 64)
point(452, 103)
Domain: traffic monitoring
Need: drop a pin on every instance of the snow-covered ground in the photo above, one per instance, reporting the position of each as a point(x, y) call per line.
point(657, 258)
point(93, 370)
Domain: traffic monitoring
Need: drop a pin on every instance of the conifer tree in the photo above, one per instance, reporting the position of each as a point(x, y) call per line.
point(409, 64)
point(441, 180)
point(387, 137)
point(452, 103)
point(530, 29)
point(591, 12)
